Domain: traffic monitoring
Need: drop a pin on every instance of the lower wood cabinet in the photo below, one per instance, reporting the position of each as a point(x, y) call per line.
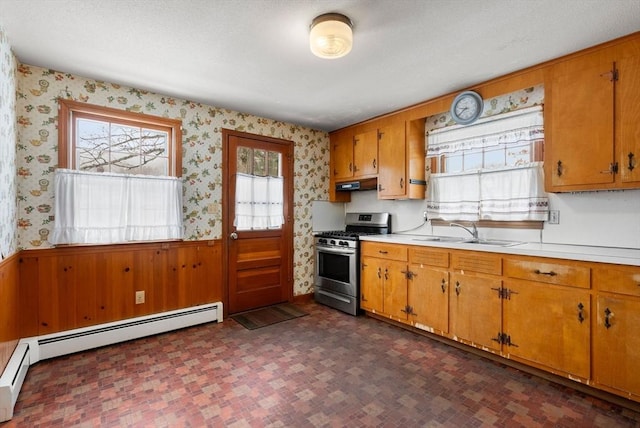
point(571, 318)
point(616, 345)
point(476, 315)
point(548, 325)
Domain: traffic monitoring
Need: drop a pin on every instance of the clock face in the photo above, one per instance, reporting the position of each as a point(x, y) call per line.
point(466, 107)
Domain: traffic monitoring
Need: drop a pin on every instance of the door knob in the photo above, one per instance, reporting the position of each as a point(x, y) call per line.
point(233, 236)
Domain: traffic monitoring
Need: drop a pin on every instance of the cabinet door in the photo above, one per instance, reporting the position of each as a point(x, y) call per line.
point(371, 293)
point(428, 297)
point(476, 310)
point(392, 180)
point(548, 325)
point(581, 127)
point(616, 343)
point(342, 157)
point(628, 117)
point(395, 290)
point(365, 154)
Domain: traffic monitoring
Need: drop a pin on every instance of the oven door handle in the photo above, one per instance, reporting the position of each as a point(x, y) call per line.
point(336, 250)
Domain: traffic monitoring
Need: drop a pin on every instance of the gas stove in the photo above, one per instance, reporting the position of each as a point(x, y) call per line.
point(337, 275)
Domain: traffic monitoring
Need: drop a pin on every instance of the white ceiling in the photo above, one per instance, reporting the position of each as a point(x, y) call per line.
point(253, 56)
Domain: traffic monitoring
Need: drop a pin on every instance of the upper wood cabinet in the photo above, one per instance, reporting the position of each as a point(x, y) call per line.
point(592, 119)
point(391, 152)
point(354, 156)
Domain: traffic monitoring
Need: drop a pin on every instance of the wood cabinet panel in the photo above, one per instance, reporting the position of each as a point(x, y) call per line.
point(617, 279)
point(429, 256)
point(428, 298)
point(551, 271)
point(475, 310)
point(616, 343)
point(548, 325)
point(394, 275)
point(342, 157)
point(581, 120)
point(371, 286)
point(365, 154)
point(384, 251)
point(477, 262)
point(627, 127)
point(392, 173)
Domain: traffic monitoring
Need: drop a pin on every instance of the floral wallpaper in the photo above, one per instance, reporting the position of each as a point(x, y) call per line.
point(37, 93)
point(8, 192)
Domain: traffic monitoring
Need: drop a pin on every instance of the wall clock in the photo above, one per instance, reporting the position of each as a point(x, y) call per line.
point(466, 108)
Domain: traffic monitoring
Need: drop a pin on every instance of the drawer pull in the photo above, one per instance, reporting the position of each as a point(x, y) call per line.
point(383, 252)
point(379, 273)
point(457, 288)
point(539, 272)
point(607, 317)
point(580, 312)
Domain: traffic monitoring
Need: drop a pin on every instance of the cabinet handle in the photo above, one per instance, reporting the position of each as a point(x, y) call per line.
point(580, 312)
point(632, 161)
point(386, 273)
point(379, 273)
point(607, 317)
point(409, 274)
point(443, 285)
point(539, 272)
point(457, 288)
point(374, 163)
point(355, 168)
point(402, 183)
point(559, 168)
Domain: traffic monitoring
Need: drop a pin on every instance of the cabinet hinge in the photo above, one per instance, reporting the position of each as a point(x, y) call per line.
point(504, 339)
point(504, 293)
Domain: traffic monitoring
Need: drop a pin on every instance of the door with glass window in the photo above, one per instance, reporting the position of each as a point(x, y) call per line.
point(257, 220)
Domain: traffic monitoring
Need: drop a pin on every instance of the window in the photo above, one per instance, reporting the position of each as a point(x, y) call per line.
point(118, 176)
point(259, 189)
point(491, 170)
point(102, 139)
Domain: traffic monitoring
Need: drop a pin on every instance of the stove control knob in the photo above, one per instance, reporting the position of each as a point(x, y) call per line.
point(343, 243)
point(333, 242)
point(322, 241)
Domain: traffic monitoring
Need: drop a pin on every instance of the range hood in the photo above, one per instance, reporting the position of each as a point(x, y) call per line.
point(364, 184)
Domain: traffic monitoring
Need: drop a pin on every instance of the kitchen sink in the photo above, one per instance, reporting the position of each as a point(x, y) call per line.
point(496, 242)
point(438, 239)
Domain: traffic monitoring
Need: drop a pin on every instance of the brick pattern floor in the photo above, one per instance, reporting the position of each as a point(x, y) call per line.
point(327, 369)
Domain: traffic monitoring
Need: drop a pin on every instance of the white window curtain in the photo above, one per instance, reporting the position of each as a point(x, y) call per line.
point(259, 202)
point(505, 194)
point(101, 208)
point(515, 194)
point(508, 128)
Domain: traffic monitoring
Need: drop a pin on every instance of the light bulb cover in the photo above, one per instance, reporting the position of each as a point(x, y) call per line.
point(331, 36)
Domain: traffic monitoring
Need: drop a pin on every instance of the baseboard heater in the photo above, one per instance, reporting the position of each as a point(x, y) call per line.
point(33, 349)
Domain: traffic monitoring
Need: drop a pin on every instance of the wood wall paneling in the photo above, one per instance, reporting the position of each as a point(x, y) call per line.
point(73, 287)
point(9, 309)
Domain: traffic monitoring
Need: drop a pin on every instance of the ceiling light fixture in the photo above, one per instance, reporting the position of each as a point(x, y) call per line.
point(331, 35)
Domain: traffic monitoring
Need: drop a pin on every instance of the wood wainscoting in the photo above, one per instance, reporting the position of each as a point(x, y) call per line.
point(72, 287)
point(9, 308)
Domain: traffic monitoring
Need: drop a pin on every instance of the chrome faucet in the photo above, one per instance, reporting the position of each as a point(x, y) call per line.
point(473, 232)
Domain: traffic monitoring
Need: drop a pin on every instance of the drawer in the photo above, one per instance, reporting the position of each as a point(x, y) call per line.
point(429, 257)
point(617, 279)
point(384, 251)
point(477, 262)
point(550, 271)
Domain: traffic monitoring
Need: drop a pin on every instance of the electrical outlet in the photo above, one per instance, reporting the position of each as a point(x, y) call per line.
point(424, 215)
point(554, 217)
point(139, 297)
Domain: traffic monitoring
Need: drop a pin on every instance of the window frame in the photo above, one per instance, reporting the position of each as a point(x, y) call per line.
point(69, 110)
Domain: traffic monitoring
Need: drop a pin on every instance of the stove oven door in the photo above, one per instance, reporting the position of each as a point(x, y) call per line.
point(336, 270)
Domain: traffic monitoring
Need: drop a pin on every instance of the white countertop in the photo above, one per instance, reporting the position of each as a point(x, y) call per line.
point(622, 256)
